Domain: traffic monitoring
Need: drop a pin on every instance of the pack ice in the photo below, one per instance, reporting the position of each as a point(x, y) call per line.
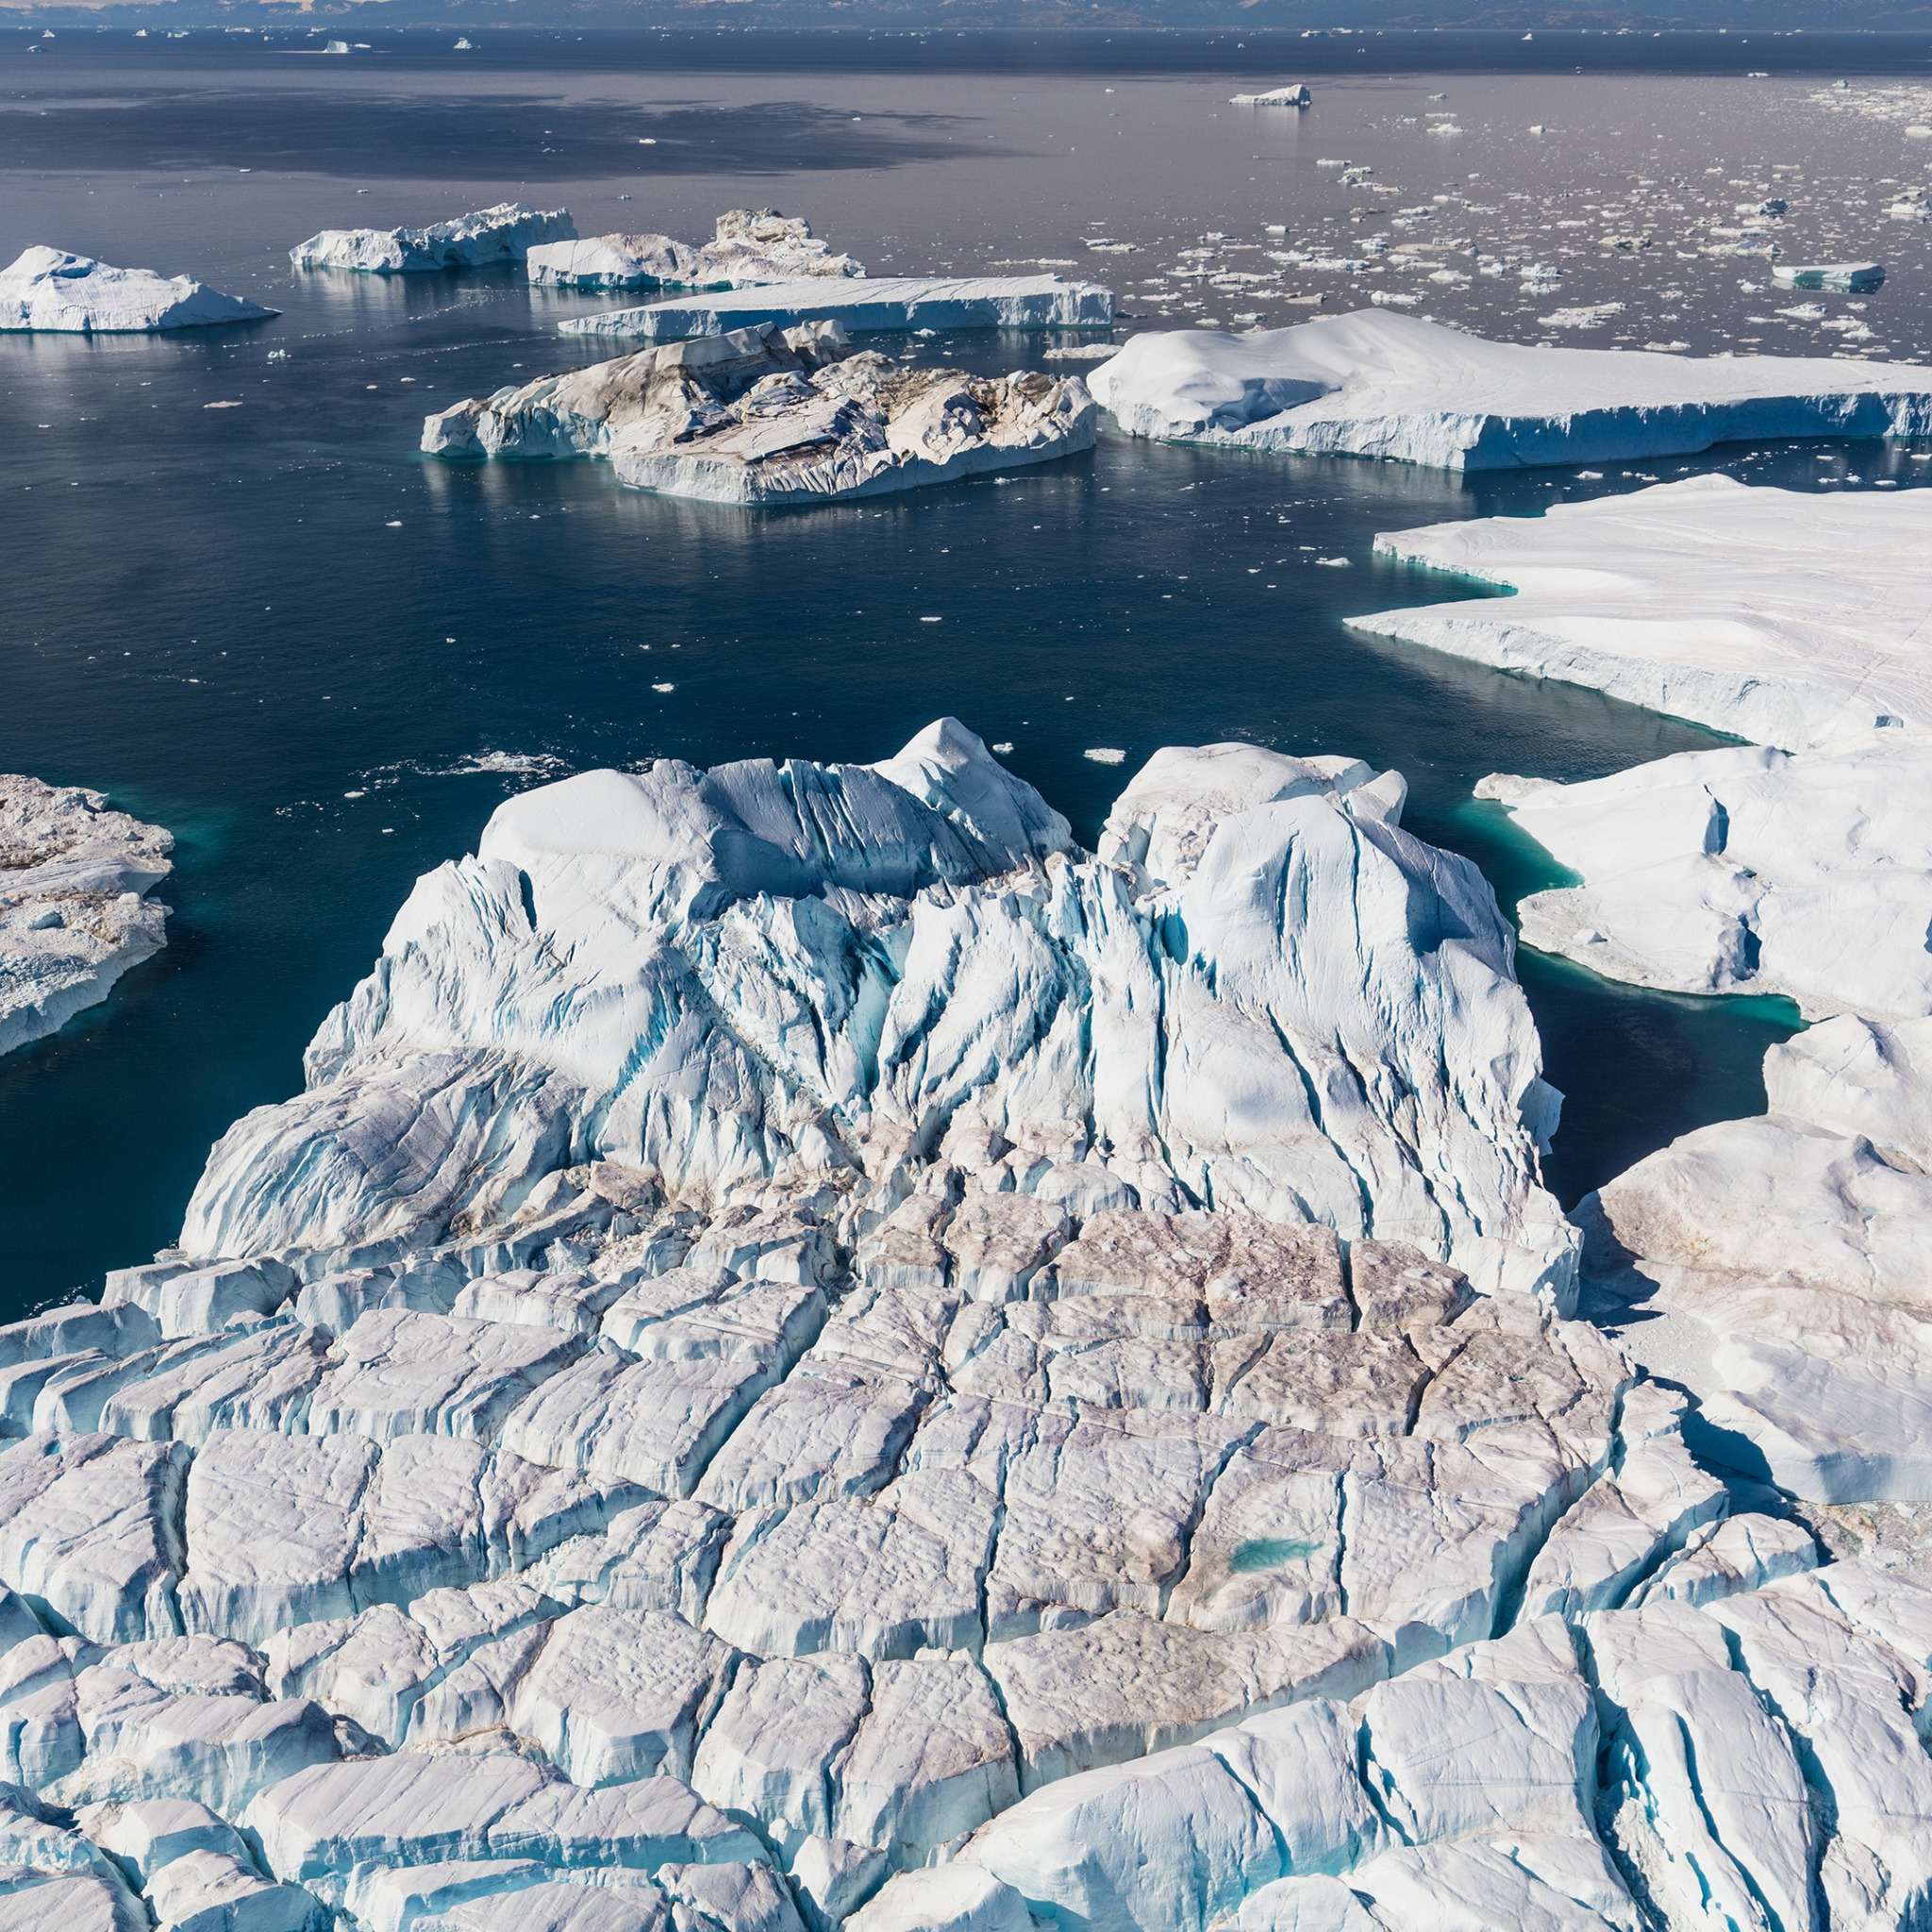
point(814, 1354)
point(504, 233)
point(1791, 619)
point(48, 289)
point(74, 914)
point(752, 246)
point(1379, 384)
point(867, 304)
point(767, 416)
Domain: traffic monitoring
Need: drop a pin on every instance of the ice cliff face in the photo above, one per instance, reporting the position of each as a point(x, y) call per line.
point(1377, 384)
point(504, 233)
point(752, 246)
point(761, 416)
point(74, 914)
point(46, 289)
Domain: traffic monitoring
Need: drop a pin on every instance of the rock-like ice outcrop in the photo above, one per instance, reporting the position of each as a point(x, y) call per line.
point(753, 248)
point(74, 914)
point(1377, 384)
point(866, 305)
point(765, 416)
point(48, 289)
point(504, 233)
point(1782, 617)
point(1748, 871)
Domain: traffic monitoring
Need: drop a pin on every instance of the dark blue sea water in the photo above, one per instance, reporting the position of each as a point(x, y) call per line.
point(321, 659)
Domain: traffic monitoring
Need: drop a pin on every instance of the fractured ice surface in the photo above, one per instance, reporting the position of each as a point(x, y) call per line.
point(1378, 384)
point(74, 913)
point(752, 247)
point(505, 232)
point(48, 289)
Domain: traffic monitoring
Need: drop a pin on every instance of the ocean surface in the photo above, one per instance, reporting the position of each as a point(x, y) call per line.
point(321, 658)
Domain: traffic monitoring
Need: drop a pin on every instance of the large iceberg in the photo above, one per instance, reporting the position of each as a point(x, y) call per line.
point(1377, 384)
point(752, 247)
point(770, 417)
point(48, 289)
point(866, 306)
point(1784, 617)
point(74, 914)
point(1747, 871)
point(504, 233)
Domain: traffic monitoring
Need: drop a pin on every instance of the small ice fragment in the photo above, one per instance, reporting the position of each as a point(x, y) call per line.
point(663, 687)
point(1004, 749)
point(1105, 755)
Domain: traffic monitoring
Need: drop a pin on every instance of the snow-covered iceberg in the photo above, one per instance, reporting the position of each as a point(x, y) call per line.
point(752, 247)
point(1377, 384)
point(504, 233)
point(866, 305)
point(46, 289)
point(770, 417)
point(1784, 617)
point(1747, 871)
point(1294, 94)
point(74, 914)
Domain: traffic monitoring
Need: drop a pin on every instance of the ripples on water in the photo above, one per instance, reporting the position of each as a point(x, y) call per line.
point(321, 659)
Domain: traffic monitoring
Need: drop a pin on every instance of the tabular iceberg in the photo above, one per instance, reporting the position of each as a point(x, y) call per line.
point(1786, 618)
point(1293, 94)
point(1378, 384)
point(753, 246)
point(46, 289)
point(74, 913)
point(1747, 871)
point(770, 417)
point(504, 233)
point(868, 305)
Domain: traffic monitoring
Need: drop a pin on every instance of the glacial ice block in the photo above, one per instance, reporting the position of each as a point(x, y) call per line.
point(1846, 277)
point(752, 247)
point(1378, 384)
point(1779, 616)
point(74, 914)
point(48, 289)
point(867, 306)
point(504, 233)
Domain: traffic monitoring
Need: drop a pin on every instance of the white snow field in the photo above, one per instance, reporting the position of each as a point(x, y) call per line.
point(1378, 384)
point(865, 304)
point(752, 247)
point(814, 1354)
point(766, 416)
point(1784, 617)
point(1747, 871)
point(504, 233)
point(74, 913)
point(48, 289)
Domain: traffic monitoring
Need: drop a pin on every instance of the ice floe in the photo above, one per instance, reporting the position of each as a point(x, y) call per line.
point(1846, 276)
point(46, 289)
point(767, 416)
point(74, 914)
point(752, 247)
point(866, 305)
point(504, 233)
point(1372, 383)
point(1787, 618)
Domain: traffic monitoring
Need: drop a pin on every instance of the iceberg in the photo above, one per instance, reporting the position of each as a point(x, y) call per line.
point(1294, 94)
point(768, 417)
point(752, 247)
point(1745, 871)
point(1377, 384)
point(1786, 618)
point(46, 289)
point(866, 305)
point(1848, 277)
point(74, 914)
point(504, 233)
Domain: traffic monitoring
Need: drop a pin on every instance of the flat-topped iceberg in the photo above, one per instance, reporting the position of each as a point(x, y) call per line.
point(868, 305)
point(48, 289)
point(753, 246)
point(1784, 617)
point(1377, 384)
point(1747, 871)
point(1294, 94)
point(74, 914)
point(504, 233)
point(770, 417)
point(1845, 276)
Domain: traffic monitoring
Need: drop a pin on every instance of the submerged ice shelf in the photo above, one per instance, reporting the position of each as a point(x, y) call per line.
point(504, 233)
point(48, 289)
point(74, 914)
point(1378, 384)
point(770, 417)
point(752, 247)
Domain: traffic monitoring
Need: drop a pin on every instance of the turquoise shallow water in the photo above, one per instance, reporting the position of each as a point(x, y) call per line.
point(321, 659)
